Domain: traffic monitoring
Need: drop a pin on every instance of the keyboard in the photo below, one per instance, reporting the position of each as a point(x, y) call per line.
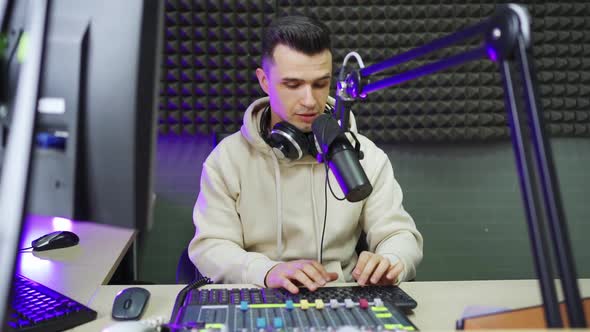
point(369, 308)
point(388, 294)
point(38, 308)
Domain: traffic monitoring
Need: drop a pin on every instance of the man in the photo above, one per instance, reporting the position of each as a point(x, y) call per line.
point(259, 216)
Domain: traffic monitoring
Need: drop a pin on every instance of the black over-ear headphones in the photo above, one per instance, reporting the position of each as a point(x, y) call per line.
point(287, 140)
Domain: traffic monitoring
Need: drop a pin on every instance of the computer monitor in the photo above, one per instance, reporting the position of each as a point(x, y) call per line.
point(14, 179)
point(91, 103)
point(96, 124)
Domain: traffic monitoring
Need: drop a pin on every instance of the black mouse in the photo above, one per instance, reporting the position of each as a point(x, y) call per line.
point(130, 303)
point(55, 240)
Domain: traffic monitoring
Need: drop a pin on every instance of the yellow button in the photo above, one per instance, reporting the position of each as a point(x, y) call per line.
point(304, 304)
point(319, 304)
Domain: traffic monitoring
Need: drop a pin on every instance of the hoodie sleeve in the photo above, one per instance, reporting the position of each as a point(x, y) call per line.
point(217, 249)
point(391, 231)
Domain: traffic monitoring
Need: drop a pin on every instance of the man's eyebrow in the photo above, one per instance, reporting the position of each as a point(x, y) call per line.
point(292, 79)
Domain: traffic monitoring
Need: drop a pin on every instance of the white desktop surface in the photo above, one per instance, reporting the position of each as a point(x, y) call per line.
point(440, 303)
point(81, 272)
point(75, 271)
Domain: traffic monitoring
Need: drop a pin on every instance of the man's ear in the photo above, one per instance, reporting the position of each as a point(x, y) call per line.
point(262, 79)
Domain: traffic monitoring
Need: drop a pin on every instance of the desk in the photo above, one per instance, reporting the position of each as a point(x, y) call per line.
point(440, 303)
point(75, 271)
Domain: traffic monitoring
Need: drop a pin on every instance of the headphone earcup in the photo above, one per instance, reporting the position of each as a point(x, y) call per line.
point(288, 141)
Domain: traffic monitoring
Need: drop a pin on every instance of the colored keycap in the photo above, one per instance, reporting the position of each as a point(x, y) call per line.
point(277, 323)
point(304, 304)
point(363, 303)
point(379, 309)
point(243, 305)
point(261, 322)
point(319, 304)
point(348, 303)
point(334, 304)
point(289, 304)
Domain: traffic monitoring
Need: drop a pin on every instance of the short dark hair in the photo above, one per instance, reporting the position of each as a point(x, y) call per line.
point(300, 33)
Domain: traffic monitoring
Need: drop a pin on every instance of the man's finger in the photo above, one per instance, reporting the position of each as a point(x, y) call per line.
point(395, 271)
point(315, 275)
point(362, 261)
point(325, 274)
point(300, 276)
point(368, 270)
point(288, 285)
point(332, 276)
point(380, 270)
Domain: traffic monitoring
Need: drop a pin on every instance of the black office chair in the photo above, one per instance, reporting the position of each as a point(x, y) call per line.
point(187, 272)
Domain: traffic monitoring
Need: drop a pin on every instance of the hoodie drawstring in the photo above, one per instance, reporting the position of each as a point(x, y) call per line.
point(315, 216)
point(279, 198)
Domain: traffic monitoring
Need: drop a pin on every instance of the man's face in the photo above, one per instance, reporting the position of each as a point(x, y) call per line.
point(297, 84)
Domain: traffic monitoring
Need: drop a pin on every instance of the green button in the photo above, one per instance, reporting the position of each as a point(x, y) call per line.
point(22, 48)
point(214, 326)
point(381, 308)
point(392, 326)
point(383, 315)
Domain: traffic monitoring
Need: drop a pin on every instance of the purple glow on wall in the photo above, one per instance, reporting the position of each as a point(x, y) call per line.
point(492, 54)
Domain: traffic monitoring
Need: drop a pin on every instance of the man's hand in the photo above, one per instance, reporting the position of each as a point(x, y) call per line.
point(308, 273)
point(374, 269)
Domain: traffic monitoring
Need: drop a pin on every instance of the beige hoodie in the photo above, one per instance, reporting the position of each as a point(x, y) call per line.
point(255, 211)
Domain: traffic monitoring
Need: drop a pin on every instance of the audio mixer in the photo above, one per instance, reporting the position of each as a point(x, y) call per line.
point(259, 309)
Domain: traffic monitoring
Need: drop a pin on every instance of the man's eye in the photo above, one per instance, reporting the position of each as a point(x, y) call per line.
point(292, 86)
point(321, 85)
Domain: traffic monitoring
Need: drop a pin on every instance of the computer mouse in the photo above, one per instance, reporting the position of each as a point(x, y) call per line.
point(130, 303)
point(55, 240)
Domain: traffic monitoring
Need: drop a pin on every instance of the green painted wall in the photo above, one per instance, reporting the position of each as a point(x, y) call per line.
point(464, 198)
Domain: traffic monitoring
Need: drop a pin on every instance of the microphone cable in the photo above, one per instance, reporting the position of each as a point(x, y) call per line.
point(326, 185)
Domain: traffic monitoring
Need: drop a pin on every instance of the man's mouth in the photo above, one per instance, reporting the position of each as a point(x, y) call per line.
point(307, 117)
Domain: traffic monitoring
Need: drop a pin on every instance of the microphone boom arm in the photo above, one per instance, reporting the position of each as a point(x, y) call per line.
point(506, 40)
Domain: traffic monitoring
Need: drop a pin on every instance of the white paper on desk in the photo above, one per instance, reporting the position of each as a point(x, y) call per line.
point(478, 310)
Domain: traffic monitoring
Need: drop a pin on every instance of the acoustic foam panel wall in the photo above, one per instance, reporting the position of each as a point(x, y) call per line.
point(212, 49)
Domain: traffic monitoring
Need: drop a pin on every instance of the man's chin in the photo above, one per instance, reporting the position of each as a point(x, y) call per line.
point(305, 127)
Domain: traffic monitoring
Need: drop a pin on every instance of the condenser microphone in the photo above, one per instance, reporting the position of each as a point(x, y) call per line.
point(335, 150)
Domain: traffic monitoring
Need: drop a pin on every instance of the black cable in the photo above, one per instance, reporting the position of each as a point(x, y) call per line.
point(325, 217)
point(181, 298)
point(330, 186)
point(326, 184)
point(27, 248)
point(326, 164)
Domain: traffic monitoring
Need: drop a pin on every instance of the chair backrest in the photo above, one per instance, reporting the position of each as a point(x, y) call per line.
point(186, 271)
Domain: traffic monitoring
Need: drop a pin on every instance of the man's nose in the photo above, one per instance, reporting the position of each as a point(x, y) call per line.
point(308, 100)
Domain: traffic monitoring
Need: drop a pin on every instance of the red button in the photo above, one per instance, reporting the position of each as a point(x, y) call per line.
point(363, 303)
